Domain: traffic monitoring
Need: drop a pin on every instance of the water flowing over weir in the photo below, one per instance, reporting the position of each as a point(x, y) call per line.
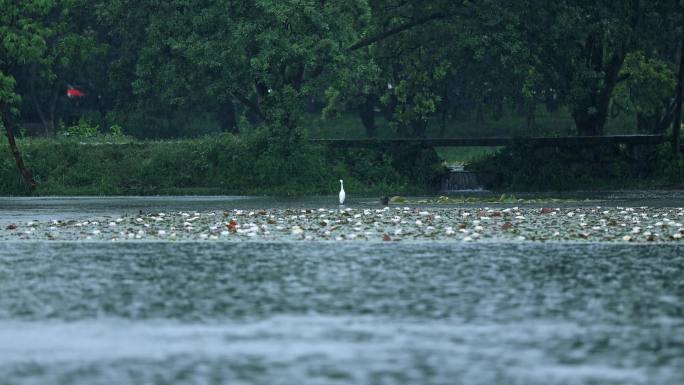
point(460, 180)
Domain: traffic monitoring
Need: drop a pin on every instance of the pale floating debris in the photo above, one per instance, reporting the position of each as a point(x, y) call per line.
point(437, 224)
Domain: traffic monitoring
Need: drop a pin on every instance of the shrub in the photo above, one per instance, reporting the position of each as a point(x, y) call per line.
point(217, 164)
point(523, 167)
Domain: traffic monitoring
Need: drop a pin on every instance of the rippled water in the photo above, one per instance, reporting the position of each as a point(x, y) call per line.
point(361, 313)
point(22, 209)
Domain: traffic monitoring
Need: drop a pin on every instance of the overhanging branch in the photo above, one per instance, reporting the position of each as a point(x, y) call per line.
point(251, 105)
point(398, 29)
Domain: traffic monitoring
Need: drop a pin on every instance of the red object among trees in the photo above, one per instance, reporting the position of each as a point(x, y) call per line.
point(74, 93)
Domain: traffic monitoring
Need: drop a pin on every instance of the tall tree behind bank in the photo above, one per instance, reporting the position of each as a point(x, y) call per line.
point(268, 56)
point(70, 55)
point(582, 47)
point(21, 42)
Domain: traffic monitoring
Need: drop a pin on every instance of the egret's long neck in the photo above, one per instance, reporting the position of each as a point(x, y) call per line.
point(341, 184)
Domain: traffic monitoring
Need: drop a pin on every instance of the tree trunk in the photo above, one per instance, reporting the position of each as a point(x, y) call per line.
point(531, 115)
point(9, 131)
point(648, 123)
point(498, 110)
point(588, 120)
point(367, 115)
point(479, 115)
point(227, 117)
point(41, 115)
point(53, 108)
point(33, 96)
point(677, 121)
point(591, 112)
point(591, 115)
point(419, 128)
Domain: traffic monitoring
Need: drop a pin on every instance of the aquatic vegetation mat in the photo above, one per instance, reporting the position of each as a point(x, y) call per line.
point(593, 224)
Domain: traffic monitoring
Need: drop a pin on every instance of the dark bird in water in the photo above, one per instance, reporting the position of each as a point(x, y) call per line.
point(384, 200)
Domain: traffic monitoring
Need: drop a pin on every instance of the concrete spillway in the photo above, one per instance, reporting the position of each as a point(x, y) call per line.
point(460, 180)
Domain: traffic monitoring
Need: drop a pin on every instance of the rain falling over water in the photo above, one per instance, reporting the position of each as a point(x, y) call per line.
point(283, 313)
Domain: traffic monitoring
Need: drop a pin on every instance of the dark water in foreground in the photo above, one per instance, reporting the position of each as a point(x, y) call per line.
point(326, 313)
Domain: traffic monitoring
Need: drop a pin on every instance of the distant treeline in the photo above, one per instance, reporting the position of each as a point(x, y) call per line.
point(157, 68)
point(178, 68)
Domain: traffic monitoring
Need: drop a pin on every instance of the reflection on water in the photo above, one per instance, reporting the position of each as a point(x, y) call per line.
point(293, 313)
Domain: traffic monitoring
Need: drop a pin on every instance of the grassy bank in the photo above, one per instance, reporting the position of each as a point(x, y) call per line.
point(219, 164)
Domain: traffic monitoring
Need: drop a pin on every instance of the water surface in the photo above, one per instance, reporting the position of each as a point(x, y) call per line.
point(361, 313)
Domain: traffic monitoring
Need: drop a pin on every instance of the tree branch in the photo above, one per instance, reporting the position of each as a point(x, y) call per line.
point(398, 29)
point(250, 104)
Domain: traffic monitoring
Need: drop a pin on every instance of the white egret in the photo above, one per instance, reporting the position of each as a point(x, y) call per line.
point(342, 194)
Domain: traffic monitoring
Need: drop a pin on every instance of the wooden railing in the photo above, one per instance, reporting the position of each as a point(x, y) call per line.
point(565, 141)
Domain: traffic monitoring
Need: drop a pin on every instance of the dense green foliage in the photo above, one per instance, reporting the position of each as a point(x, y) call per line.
point(224, 164)
point(263, 68)
point(523, 167)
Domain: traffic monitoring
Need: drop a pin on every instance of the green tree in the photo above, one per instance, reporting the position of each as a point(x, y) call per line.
point(71, 52)
point(268, 56)
point(22, 40)
point(581, 46)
